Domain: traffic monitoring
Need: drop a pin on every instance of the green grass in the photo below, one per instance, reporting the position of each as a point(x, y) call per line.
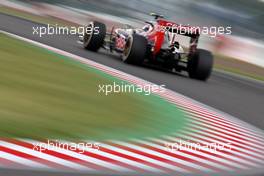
point(239, 72)
point(228, 66)
point(46, 95)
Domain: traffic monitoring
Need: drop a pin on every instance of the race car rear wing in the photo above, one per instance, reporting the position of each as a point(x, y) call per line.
point(192, 32)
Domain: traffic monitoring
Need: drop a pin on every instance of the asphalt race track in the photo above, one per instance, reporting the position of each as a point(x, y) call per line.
point(236, 96)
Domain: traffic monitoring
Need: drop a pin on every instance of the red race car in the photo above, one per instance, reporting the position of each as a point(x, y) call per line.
point(155, 43)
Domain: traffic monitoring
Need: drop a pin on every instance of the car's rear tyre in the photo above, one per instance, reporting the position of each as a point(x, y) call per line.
point(135, 49)
point(200, 64)
point(94, 40)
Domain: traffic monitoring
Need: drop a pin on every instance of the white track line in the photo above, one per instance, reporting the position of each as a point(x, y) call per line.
point(44, 156)
point(84, 158)
point(199, 152)
point(23, 161)
point(140, 157)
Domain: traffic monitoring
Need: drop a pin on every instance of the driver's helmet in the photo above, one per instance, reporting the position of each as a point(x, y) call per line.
point(147, 28)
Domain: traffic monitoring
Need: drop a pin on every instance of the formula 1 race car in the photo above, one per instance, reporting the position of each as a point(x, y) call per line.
point(155, 43)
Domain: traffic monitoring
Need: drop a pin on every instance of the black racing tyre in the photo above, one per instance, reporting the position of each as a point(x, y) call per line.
point(135, 49)
point(200, 64)
point(94, 40)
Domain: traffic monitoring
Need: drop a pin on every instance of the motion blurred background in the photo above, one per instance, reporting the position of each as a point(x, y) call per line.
point(233, 52)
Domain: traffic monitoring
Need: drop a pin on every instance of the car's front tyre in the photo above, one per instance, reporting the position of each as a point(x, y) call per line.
point(94, 39)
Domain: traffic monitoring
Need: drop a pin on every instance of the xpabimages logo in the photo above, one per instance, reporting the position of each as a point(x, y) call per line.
point(64, 30)
point(212, 31)
point(107, 89)
point(58, 145)
point(191, 146)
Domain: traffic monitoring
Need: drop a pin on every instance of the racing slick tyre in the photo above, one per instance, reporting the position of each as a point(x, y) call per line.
point(200, 65)
point(135, 49)
point(94, 40)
